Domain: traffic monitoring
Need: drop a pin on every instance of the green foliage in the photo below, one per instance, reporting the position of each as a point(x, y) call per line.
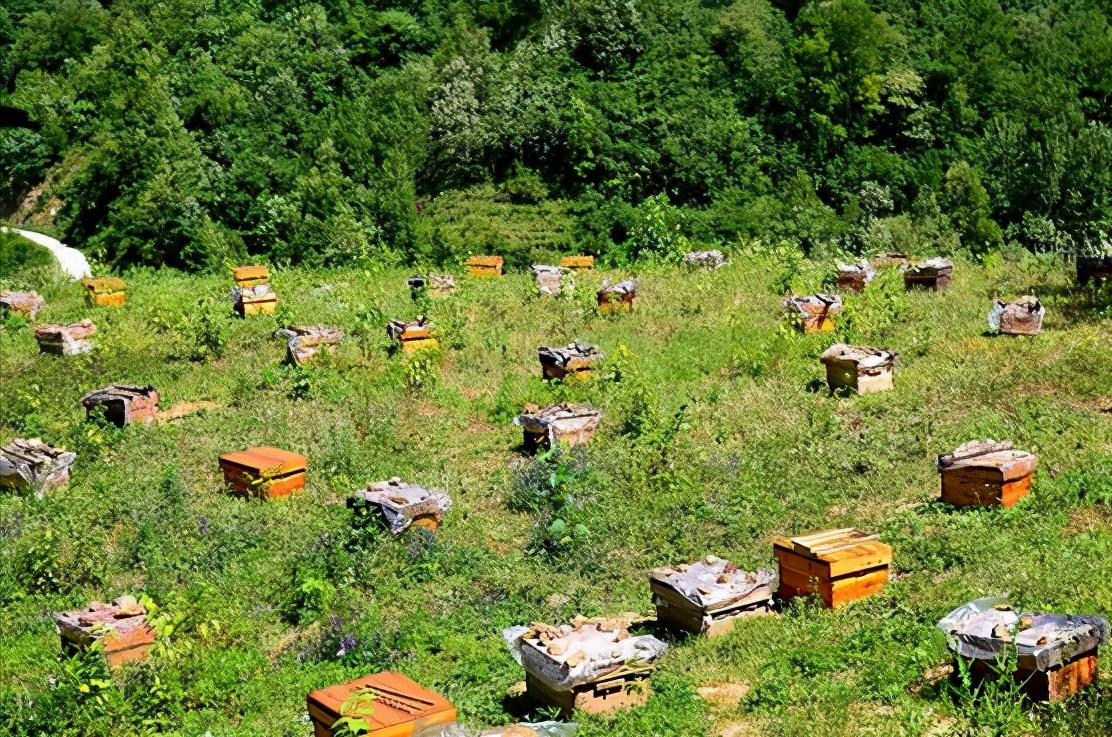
point(18, 254)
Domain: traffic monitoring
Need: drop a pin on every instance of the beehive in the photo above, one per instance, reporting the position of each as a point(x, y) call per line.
point(578, 263)
point(484, 266)
point(986, 473)
point(105, 291)
point(933, 274)
point(709, 596)
point(617, 297)
point(434, 285)
point(1022, 317)
point(412, 336)
point(26, 304)
point(122, 404)
point(66, 340)
point(558, 424)
point(836, 566)
point(305, 342)
point(858, 369)
point(549, 279)
point(594, 665)
point(34, 465)
point(251, 294)
point(1093, 268)
point(855, 277)
point(120, 627)
point(265, 472)
point(1054, 655)
point(713, 259)
point(814, 313)
point(401, 504)
point(573, 362)
point(392, 705)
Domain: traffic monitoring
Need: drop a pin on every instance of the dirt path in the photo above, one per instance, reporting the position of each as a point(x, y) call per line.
point(72, 261)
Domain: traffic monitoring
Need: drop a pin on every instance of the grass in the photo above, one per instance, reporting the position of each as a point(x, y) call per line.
point(717, 438)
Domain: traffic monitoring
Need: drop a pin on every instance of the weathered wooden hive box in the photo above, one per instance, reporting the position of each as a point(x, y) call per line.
point(617, 297)
point(266, 472)
point(578, 263)
point(27, 304)
point(710, 596)
point(482, 267)
point(549, 279)
point(855, 277)
point(575, 361)
point(66, 340)
point(105, 291)
point(34, 465)
point(1022, 317)
point(120, 627)
point(813, 313)
point(933, 274)
point(1093, 268)
point(713, 259)
point(837, 566)
point(251, 294)
point(415, 335)
point(305, 342)
point(986, 473)
point(433, 285)
point(402, 504)
point(558, 424)
point(392, 705)
point(122, 404)
point(1055, 655)
point(592, 664)
point(858, 368)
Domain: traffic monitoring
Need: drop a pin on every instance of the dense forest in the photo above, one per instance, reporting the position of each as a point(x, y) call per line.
point(192, 132)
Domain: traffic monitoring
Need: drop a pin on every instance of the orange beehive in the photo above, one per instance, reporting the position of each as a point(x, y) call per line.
point(390, 704)
point(265, 472)
point(986, 473)
point(251, 276)
point(837, 565)
point(578, 263)
point(105, 291)
point(484, 266)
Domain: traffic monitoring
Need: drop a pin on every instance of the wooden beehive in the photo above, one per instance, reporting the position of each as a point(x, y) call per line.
point(252, 294)
point(122, 404)
point(933, 274)
point(27, 304)
point(34, 465)
point(120, 627)
point(563, 424)
point(578, 263)
point(855, 277)
point(623, 688)
point(549, 279)
point(617, 297)
point(412, 336)
point(401, 505)
point(709, 596)
point(573, 362)
point(1022, 317)
point(1093, 268)
point(986, 473)
point(265, 472)
point(392, 705)
point(836, 566)
point(813, 313)
point(66, 340)
point(484, 266)
point(858, 368)
point(105, 291)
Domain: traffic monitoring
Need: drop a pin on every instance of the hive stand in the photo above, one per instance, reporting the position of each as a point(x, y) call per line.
point(266, 472)
point(392, 704)
point(837, 566)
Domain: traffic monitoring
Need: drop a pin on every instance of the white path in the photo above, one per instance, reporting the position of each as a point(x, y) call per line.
point(72, 261)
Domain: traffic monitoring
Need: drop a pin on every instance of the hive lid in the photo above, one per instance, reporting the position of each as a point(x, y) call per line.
point(990, 454)
point(560, 356)
point(116, 392)
point(838, 545)
point(484, 261)
point(246, 273)
point(266, 459)
point(813, 304)
point(73, 331)
point(863, 356)
point(582, 651)
point(104, 284)
point(118, 619)
point(629, 286)
point(397, 700)
point(714, 583)
point(540, 419)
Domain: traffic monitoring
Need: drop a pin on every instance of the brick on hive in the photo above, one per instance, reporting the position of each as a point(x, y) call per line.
point(617, 297)
point(813, 313)
point(573, 361)
point(402, 504)
point(986, 473)
point(549, 279)
point(933, 274)
point(251, 294)
point(484, 266)
point(105, 291)
point(521, 729)
point(710, 595)
point(1055, 655)
point(304, 342)
point(558, 424)
point(123, 404)
point(26, 304)
point(415, 335)
point(1096, 268)
point(578, 263)
point(34, 465)
point(837, 566)
point(392, 704)
point(858, 369)
point(713, 259)
point(266, 472)
point(120, 628)
point(434, 285)
point(66, 340)
point(594, 665)
point(855, 276)
point(1022, 317)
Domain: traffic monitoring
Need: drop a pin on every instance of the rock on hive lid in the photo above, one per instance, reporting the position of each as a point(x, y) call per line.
point(712, 582)
point(397, 700)
point(1013, 464)
point(863, 356)
point(266, 459)
point(559, 356)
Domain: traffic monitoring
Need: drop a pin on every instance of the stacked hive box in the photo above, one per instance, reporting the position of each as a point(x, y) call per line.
point(814, 313)
point(558, 424)
point(120, 627)
point(855, 277)
point(391, 704)
point(1055, 655)
point(705, 259)
point(266, 472)
point(412, 336)
point(986, 473)
point(304, 342)
point(66, 340)
point(1093, 268)
point(933, 274)
point(402, 504)
point(252, 295)
point(27, 304)
point(122, 404)
point(105, 291)
point(575, 361)
point(593, 664)
point(837, 566)
point(709, 596)
point(34, 465)
point(1022, 317)
point(482, 267)
point(548, 278)
point(617, 297)
point(858, 369)
point(578, 263)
